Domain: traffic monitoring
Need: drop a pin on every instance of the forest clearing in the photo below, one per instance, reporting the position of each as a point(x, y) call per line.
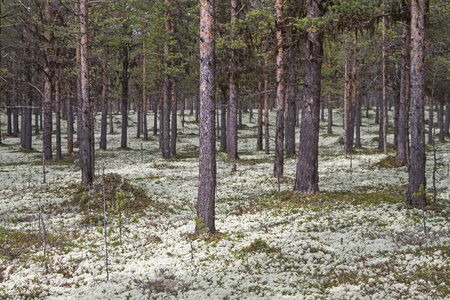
point(356, 239)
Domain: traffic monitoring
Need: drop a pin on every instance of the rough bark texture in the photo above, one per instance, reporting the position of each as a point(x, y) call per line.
point(384, 103)
point(144, 92)
point(417, 181)
point(266, 103)
point(124, 96)
point(207, 151)
point(291, 105)
point(358, 123)
point(104, 122)
point(233, 102)
point(279, 131)
point(330, 114)
point(259, 137)
point(79, 100)
point(26, 128)
point(223, 121)
point(430, 121)
point(173, 135)
point(58, 117)
point(87, 128)
point(47, 107)
point(441, 120)
point(447, 114)
point(47, 101)
point(307, 176)
point(69, 122)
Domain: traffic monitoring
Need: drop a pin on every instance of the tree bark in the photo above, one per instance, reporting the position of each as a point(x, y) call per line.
point(358, 123)
point(223, 121)
point(232, 107)
point(58, 117)
point(441, 120)
point(430, 120)
point(279, 132)
point(330, 114)
point(173, 135)
point(69, 122)
point(291, 104)
point(87, 129)
point(384, 103)
point(207, 151)
point(144, 91)
point(124, 96)
point(259, 137)
point(307, 176)
point(47, 101)
point(417, 179)
point(403, 110)
point(266, 101)
point(104, 122)
point(447, 114)
point(27, 113)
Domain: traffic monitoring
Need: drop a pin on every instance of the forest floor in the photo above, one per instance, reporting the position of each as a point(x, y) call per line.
point(357, 239)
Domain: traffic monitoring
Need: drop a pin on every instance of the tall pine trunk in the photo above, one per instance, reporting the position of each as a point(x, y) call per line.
point(291, 104)
point(87, 126)
point(417, 179)
point(207, 151)
point(259, 137)
point(69, 121)
point(266, 101)
point(27, 113)
point(104, 122)
point(124, 96)
point(307, 176)
point(223, 120)
point(173, 135)
point(58, 117)
point(279, 131)
point(233, 103)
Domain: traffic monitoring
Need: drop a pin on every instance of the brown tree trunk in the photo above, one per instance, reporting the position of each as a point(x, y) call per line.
point(207, 151)
point(144, 91)
point(87, 128)
point(259, 137)
point(232, 107)
point(104, 122)
point(58, 117)
point(330, 114)
point(223, 120)
point(79, 100)
point(279, 132)
point(27, 113)
point(47, 105)
point(291, 104)
point(47, 101)
point(441, 120)
point(266, 101)
point(430, 120)
point(124, 96)
point(417, 179)
point(307, 176)
point(69, 121)
point(447, 113)
point(173, 135)
point(384, 104)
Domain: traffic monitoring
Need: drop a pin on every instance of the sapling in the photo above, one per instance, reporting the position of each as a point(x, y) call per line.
point(44, 234)
point(43, 165)
point(105, 224)
point(5, 233)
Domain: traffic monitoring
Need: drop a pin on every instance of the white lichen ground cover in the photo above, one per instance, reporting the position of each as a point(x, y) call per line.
point(356, 240)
